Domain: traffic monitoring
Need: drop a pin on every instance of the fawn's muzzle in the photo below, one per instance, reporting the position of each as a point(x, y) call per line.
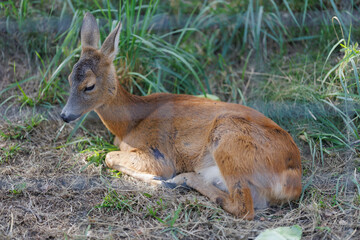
point(69, 118)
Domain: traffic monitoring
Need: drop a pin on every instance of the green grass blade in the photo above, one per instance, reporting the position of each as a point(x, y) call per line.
point(291, 13)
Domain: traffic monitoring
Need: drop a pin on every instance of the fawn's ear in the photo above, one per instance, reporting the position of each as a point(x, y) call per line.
point(90, 34)
point(111, 43)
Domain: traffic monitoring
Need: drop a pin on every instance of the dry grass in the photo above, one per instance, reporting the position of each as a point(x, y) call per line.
point(47, 191)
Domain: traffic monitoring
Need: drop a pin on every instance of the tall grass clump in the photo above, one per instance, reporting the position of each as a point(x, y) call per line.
point(335, 129)
point(342, 89)
point(146, 63)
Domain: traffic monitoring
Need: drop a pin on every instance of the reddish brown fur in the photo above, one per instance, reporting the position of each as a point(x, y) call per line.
point(186, 139)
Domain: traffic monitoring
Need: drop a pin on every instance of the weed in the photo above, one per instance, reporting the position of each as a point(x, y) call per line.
point(25, 99)
point(23, 130)
point(147, 195)
point(8, 153)
point(357, 200)
point(153, 211)
point(169, 221)
point(325, 229)
point(113, 200)
point(18, 188)
point(97, 148)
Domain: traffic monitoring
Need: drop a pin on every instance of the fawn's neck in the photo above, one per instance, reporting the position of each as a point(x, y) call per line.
point(123, 112)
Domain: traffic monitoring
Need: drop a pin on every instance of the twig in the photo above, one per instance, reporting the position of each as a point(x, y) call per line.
point(11, 223)
point(30, 211)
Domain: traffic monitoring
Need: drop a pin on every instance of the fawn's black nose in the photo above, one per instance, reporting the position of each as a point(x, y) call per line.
point(64, 117)
point(69, 118)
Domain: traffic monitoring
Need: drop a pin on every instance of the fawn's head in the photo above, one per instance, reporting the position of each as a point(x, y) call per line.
point(93, 79)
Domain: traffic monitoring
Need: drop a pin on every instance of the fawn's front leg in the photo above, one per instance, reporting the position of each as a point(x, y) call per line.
point(141, 165)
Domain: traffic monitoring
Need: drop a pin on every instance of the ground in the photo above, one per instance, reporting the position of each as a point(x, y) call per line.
point(49, 190)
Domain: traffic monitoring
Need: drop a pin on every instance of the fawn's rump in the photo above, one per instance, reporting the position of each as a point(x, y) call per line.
point(266, 187)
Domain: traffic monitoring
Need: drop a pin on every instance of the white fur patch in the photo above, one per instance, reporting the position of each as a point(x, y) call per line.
point(213, 176)
point(259, 201)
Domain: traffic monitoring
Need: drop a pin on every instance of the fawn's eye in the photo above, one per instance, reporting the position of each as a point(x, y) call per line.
point(87, 89)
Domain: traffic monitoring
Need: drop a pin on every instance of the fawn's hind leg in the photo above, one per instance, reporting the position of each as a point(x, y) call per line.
point(234, 155)
point(237, 202)
point(140, 165)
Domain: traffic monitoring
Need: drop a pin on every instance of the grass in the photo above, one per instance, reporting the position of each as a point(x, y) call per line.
point(8, 153)
point(293, 62)
point(97, 148)
point(22, 130)
point(115, 201)
point(18, 189)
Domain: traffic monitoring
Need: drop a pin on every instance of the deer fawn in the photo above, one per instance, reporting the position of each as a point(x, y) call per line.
point(230, 153)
